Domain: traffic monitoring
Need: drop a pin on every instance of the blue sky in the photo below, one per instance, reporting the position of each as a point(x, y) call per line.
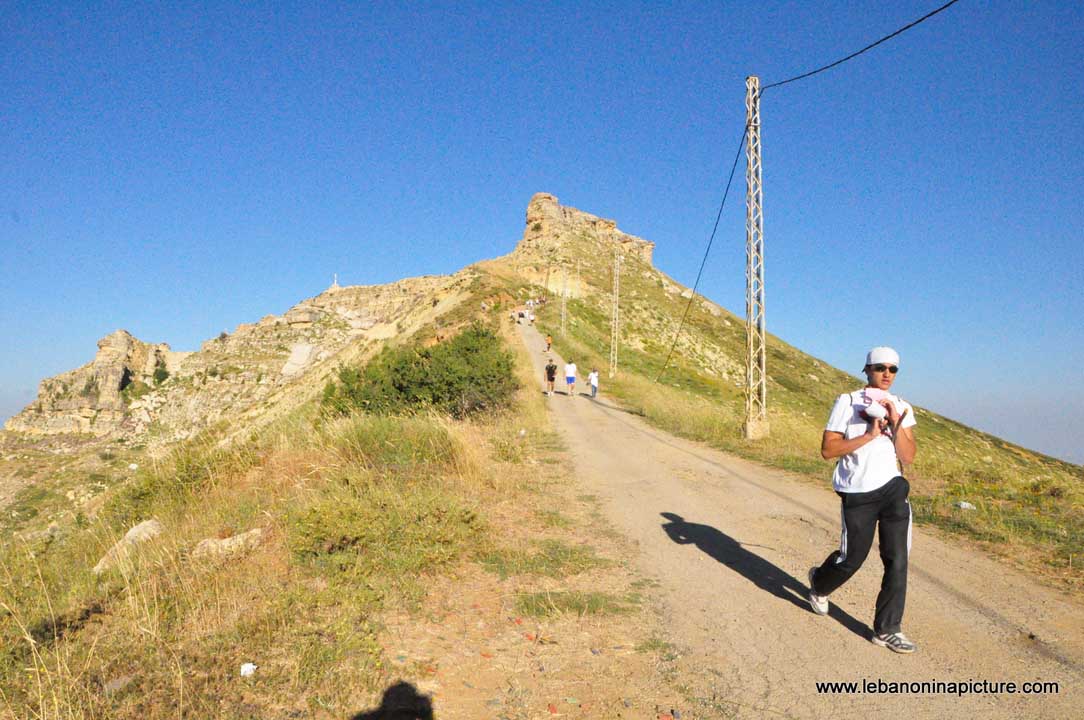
point(176, 171)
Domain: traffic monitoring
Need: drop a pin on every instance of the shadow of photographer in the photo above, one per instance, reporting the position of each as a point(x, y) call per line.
point(401, 701)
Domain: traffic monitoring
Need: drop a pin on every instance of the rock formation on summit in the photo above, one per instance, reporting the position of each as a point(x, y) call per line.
point(266, 367)
point(556, 237)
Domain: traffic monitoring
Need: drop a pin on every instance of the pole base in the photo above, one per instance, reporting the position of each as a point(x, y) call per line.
point(756, 429)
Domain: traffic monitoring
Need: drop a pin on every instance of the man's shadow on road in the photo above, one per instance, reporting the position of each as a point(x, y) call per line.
point(752, 567)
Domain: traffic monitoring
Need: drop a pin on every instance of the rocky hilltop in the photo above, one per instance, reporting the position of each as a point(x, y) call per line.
point(557, 238)
point(567, 250)
point(135, 389)
point(132, 388)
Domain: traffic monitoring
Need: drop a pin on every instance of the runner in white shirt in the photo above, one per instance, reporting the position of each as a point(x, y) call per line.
point(570, 377)
point(869, 430)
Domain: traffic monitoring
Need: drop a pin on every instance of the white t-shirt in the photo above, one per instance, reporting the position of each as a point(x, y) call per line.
point(874, 464)
point(593, 379)
point(570, 370)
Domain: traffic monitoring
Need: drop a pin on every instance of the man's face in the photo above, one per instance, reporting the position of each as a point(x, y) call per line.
point(881, 375)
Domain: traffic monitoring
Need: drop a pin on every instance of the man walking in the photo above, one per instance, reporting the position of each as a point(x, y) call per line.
point(869, 430)
point(551, 376)
point(592, 380)
point(570, 377)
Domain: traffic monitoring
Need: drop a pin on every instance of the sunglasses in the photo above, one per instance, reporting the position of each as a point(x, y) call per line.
point(879, 367)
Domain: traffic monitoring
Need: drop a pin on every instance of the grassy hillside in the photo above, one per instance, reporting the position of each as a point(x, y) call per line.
point(372, 524)
point(1029, 507)
point(379, 528)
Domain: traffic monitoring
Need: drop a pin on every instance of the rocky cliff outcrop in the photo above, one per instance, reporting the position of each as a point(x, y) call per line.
point(131, 385)
point(557, 237)
point(94, 398)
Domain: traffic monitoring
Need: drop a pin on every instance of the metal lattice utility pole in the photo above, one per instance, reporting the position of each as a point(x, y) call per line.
point(756, 376)
point(615, 312)
point(564, 294)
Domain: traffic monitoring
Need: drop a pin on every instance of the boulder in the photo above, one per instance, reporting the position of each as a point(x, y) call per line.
point(120, 553)
point(223, 548)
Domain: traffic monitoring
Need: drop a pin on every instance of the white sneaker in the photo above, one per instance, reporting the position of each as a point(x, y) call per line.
point(819, 603)
point(896, 642)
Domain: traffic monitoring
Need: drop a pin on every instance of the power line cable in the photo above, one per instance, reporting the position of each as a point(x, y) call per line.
point(741, 144)
point(703, 262)
point(853, 55)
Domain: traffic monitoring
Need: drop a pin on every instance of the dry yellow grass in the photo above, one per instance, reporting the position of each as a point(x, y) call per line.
point(165, 635)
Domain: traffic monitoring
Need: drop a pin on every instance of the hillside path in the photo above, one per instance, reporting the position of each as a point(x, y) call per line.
point(731, 559)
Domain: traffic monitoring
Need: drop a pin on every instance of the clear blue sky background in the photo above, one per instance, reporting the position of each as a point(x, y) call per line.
point(176, 171)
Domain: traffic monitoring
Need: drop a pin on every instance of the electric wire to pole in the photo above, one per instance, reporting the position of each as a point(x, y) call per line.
point(853, 55)
point(737, 156)
point(703, 262)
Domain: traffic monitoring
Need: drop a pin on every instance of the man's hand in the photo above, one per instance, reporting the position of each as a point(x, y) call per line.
point(894, 416)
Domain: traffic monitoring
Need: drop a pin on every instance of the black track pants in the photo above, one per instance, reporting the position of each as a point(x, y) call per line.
point(862, 512)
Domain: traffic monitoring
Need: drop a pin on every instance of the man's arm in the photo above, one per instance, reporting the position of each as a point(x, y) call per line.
point(905, 445)
point(835, 444)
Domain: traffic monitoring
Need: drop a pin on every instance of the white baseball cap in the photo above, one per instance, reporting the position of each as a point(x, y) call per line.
point(882, 354)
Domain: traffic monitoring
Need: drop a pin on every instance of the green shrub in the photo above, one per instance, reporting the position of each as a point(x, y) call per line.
point(161, 374)
point(134, 390)
point(468, 374)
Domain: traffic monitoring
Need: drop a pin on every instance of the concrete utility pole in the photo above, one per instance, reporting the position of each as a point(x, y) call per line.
point(614, 314)
point(564, 294)
point(756, 375)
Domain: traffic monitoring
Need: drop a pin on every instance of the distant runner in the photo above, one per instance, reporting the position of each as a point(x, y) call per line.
point(549, 342)
point(551, 376)
point(570, 377)
point(869, 430)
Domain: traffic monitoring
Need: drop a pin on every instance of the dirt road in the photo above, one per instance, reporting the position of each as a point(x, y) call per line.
point(731, 542)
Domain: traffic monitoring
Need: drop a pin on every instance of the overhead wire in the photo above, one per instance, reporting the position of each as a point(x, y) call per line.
point(796, 78)
point(741, 144)
point(853, 55)
point(704, 261)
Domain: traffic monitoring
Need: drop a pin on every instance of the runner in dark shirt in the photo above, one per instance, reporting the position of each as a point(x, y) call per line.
point(551, 376)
